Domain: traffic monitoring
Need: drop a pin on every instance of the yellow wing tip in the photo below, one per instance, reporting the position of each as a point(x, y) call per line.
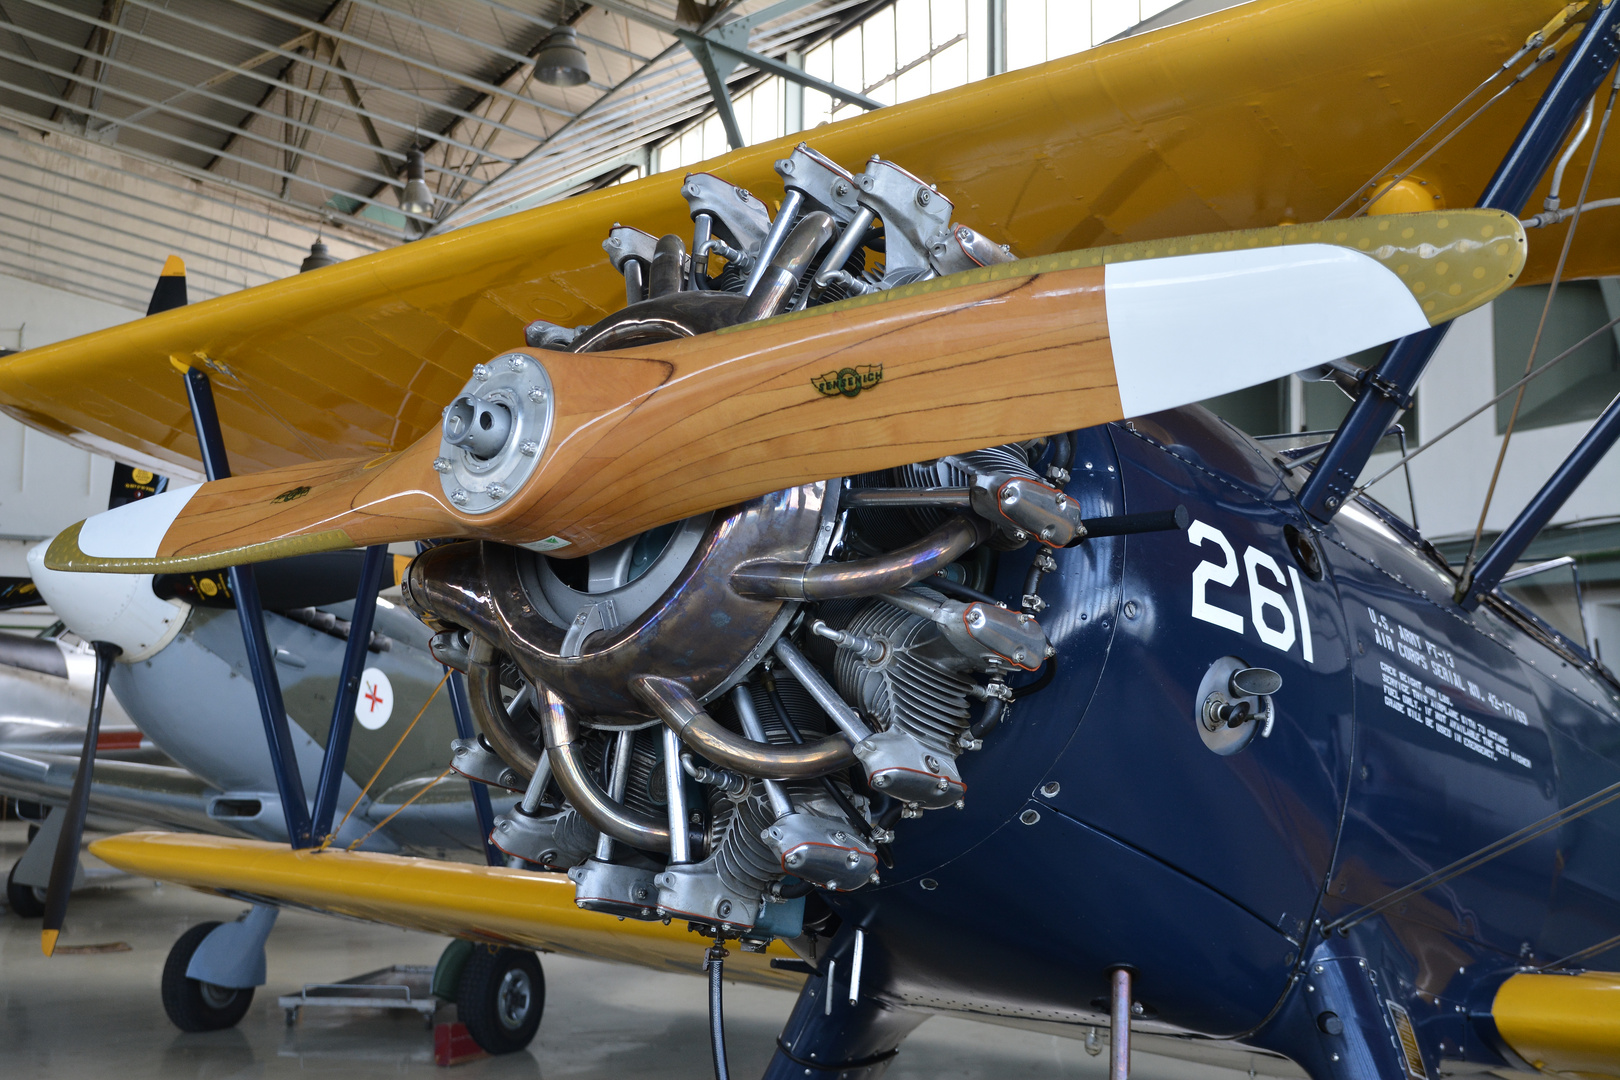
point(174, 266)
point(47, 941)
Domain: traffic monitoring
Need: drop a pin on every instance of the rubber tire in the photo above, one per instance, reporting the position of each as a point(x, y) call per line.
point(183, 996)
point(478, 1003)
point(24, 900)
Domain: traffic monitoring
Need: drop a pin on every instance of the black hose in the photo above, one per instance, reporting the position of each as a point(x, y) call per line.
point(799, 888)
point(990, 719)
point(1047, 674)
point(957, 589)
point(717, 1021)
point(1062, 451)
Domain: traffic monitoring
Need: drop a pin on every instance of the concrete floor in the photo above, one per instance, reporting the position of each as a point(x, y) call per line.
point(92, 1016)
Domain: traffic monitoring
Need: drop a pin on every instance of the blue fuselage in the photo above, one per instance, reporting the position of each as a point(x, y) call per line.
point(1100, 830)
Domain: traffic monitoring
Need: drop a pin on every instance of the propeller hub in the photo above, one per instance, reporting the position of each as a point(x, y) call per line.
point(495, 433)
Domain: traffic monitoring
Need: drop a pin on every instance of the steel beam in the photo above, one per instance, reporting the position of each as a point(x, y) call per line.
point(371, 46)
point(180, 140)
point(234, 207)
point(288, 54)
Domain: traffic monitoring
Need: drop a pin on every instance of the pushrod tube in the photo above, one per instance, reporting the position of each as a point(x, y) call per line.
point(245, 589)
point(773, 239)
point(743, 702)
point(680, 848)
point(1526, 161)
point(624, 746)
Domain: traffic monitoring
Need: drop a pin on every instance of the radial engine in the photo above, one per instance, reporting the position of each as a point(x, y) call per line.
point(715, 718)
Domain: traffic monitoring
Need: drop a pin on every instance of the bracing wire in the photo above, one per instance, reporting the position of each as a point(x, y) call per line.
point(1541, 326)
point(1545, 55)
point(326, 841)
point(1536, 374)
point(1558, 22)
point(1497, 848)
point(401, 808)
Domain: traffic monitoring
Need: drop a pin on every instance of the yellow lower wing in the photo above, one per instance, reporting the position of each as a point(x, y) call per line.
point(479, 903)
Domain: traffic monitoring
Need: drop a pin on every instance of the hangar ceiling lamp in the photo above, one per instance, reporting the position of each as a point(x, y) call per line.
point(560, 61)
point(416, 198)
point(319, 255)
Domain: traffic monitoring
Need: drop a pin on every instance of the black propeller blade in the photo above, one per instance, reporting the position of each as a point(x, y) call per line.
point(129, 483)
point(67, 845)
point(170, 292)
point(18, 592)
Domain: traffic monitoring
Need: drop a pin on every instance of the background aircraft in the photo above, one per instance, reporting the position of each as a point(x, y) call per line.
point(1286, 778)
point(194, 756)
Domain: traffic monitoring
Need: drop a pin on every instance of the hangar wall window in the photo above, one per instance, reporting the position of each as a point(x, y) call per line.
point(1579, 387)
point(908, 50)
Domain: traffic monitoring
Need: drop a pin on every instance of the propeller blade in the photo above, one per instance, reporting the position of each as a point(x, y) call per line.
point(18, 592)
point(67, 844)
point(652, 434)
point(131, 483)
point(170, 291)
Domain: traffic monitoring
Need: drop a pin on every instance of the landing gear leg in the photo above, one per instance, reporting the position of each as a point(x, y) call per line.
point(835, 1038)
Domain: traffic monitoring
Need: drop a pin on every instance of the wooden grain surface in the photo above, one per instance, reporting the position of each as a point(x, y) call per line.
point(661, 432)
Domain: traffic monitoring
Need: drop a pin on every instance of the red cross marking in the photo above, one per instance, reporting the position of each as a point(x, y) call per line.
point(372, 696)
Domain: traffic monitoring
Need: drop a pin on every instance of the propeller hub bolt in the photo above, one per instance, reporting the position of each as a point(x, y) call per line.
point(517, 363)
point(529, 448)
point(497, 491)
point(537, 395)
point(458, 497)
point(441, 464)
point(481, 372)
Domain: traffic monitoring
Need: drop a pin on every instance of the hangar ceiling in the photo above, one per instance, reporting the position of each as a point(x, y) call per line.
point(234, 131)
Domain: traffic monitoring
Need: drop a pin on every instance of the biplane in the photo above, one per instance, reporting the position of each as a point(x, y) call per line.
point(847, 571)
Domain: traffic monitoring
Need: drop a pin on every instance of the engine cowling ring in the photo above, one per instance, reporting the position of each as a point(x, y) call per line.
point(700, 631)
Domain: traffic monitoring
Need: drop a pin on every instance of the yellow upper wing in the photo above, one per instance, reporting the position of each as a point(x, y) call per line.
point(1270, 112)
point(480, 903)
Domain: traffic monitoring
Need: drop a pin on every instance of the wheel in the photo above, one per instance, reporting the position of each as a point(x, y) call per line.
point(501, 997)
point(192, 1004)
point(25, 901)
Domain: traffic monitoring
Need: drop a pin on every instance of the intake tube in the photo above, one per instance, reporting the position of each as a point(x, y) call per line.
point(703, 734)
point(568, 770)
point(864, 577)
point(781, 279)
point(668, 272)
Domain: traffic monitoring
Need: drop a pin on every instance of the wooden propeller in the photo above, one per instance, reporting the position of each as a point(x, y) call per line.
point(656, 433)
